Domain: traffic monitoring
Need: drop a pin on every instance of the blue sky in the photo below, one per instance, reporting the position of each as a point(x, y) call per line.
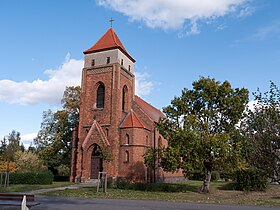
point(173, 41)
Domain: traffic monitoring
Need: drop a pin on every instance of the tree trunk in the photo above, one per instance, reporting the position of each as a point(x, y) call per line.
point(205, 188)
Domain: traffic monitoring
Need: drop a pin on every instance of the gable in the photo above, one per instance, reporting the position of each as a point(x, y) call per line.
point(95, 130)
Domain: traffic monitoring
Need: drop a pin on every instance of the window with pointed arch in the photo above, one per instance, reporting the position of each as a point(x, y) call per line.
point(124, 98)
point(107, 132)
point(126, 157)
point(126, 139)
point(100, 96)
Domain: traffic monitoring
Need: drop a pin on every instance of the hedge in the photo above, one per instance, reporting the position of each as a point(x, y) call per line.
point(251, 180)
point(31, 178)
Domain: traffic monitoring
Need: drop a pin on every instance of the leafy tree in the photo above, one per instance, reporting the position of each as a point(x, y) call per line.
point(4, 166)
point(10, 144)
point(201, 128)
point(28, 162)
point(54, 139)
point(263, 129)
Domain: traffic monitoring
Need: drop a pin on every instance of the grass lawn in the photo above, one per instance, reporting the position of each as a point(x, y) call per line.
point(221, 192)
point(24, 187)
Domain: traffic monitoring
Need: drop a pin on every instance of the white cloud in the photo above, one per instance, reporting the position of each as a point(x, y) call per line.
point(43, 91)
point(142, 84)
point(27, 139)
point(245, 11)
point(263, 33)
point(50, 91)
point(271, 30)
point(174, 14)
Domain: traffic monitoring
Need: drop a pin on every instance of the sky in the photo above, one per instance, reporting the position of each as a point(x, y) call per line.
point(174, 42)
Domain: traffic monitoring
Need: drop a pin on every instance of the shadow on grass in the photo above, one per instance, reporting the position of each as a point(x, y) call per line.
point(158, 187)
point(228, 186)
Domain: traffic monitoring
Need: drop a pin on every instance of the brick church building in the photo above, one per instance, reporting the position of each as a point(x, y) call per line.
point(113, 120)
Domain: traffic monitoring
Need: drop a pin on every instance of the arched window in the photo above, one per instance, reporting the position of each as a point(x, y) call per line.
point(126, 156)
point(100, 96)
point(124, 98)
point(127, 139)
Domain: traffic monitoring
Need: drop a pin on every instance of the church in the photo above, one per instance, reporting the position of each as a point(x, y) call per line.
point(116, 127)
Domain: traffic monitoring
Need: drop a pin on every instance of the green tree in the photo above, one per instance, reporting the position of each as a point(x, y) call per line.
point(10, 144)
point(53, 141)
point(263, 129)
point(201, 128)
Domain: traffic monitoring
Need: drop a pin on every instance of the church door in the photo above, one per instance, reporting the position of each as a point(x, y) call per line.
point(96, 162)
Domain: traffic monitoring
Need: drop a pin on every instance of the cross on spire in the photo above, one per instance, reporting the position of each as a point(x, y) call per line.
point(111, 21)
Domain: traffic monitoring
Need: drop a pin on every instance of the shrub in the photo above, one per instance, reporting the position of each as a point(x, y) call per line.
point(196, 175)
point(251, 180)
point(227, 176)
point(31, 178)
point(124, 185)
point(215, 175)
point(63, 170)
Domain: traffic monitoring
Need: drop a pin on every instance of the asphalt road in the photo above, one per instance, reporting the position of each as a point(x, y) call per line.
point(70, 203)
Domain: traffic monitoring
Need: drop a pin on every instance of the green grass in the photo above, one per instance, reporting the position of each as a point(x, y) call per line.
point(221, 193)
point(24, 187)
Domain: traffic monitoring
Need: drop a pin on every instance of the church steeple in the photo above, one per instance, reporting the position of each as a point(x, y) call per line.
point(109, 49)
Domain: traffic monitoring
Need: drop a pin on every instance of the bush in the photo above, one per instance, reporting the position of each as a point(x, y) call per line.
point(63, 170)
point(215, 175)
point(227, 176)
point(196, 175)
point(251, 180)
point(31, 178)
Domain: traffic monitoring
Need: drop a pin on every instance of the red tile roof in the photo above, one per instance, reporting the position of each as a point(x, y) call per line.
point(108, 41)
point(132, 121)
point(151, 111)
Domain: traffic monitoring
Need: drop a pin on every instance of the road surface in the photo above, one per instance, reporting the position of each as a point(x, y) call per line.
point(71, 203)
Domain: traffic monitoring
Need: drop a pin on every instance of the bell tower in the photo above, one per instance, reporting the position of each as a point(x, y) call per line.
point(107, 93)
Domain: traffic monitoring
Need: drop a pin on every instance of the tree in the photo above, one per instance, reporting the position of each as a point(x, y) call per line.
point(54, 139)
point(201, 128)
point(28, 162)
point(263, 131)
point(10, 144)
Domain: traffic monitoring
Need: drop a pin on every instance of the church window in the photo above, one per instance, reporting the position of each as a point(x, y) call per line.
point(128, 67)
point(126, 156)
point(107, 132)
point(124, 98)
point(93, 62)
point(122, 62)
point(126, 139)
point(108, 60)
point(100, 96)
